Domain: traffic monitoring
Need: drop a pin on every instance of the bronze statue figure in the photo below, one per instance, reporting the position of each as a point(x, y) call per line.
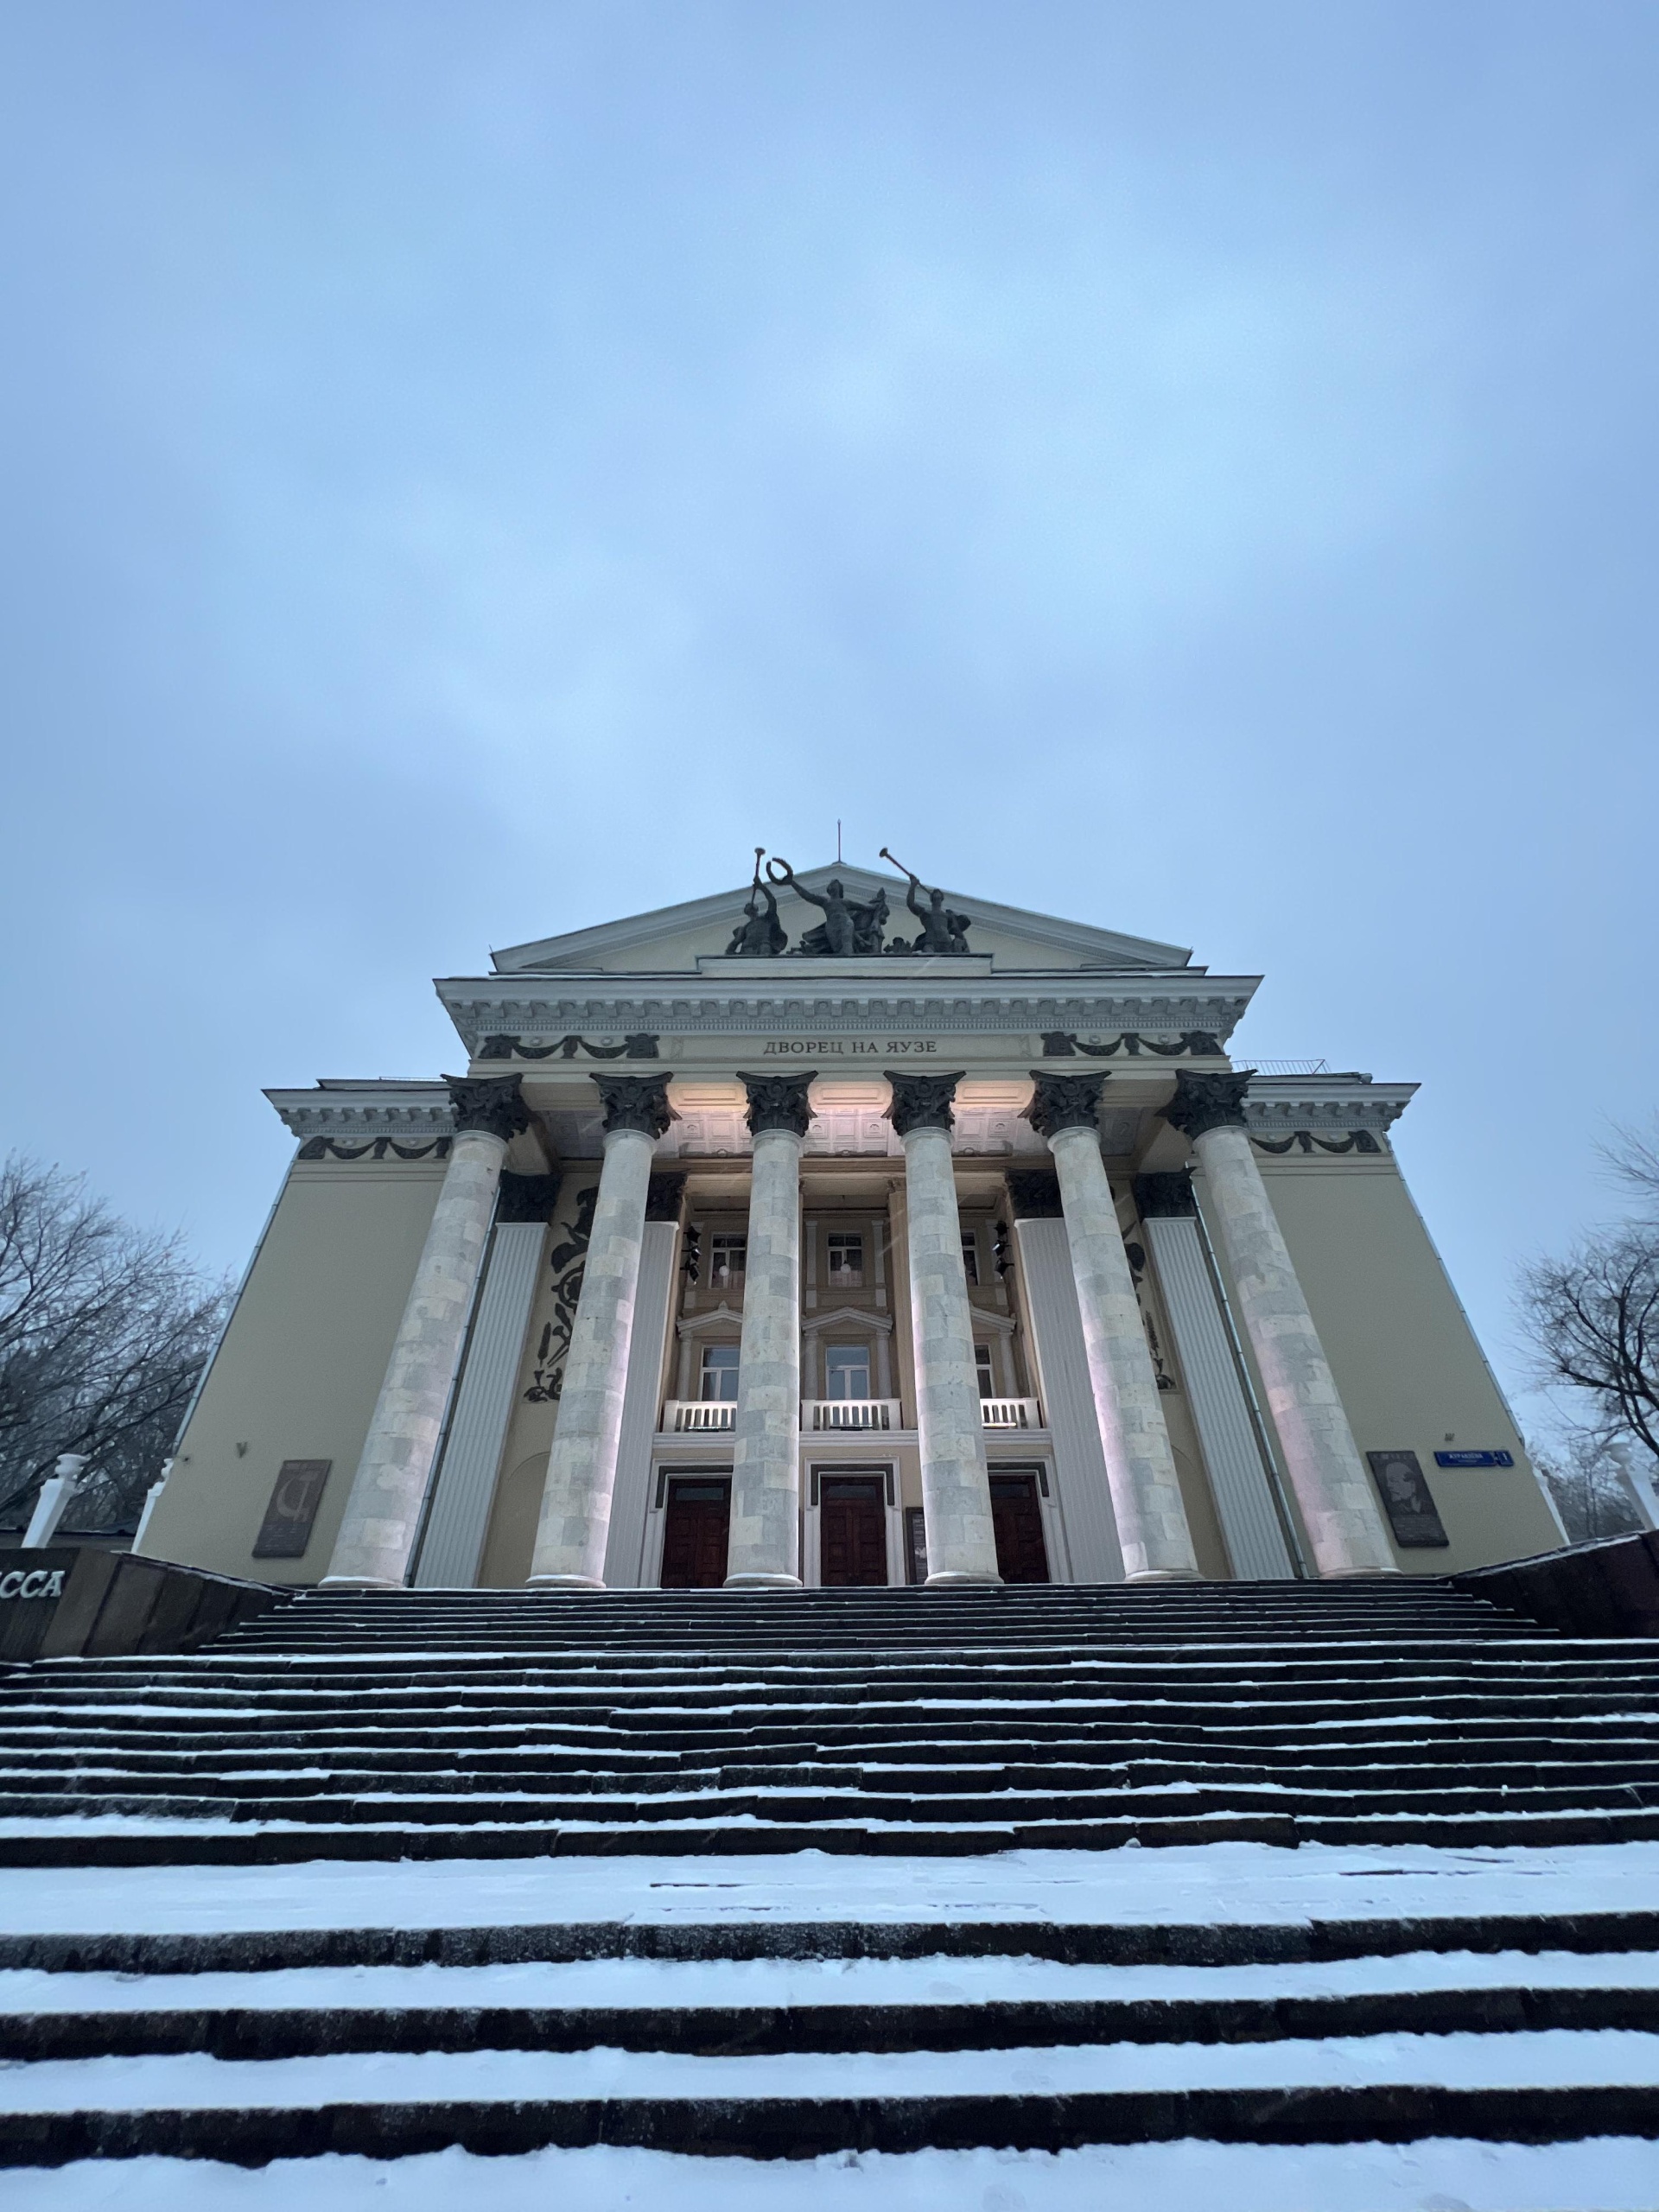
point(760, 935)
point(869, 922)
point(848, 928)
point(942, 930)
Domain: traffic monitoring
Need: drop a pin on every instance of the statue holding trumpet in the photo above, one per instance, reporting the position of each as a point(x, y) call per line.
point(942, 930)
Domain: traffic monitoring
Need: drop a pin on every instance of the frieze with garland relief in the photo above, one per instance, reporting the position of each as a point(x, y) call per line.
point(640, 1046)
point(1306, 1140)
point(375, 1147)
point(1200, 1044)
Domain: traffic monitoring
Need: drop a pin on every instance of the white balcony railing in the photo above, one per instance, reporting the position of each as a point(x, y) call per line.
point(692, 1416)
point(850, 1413)
point(685, 1416)
point(1010, 1412)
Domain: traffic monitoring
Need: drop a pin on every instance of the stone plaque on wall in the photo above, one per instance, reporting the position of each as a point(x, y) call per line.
point(286, 1529)
point(1406, 1500)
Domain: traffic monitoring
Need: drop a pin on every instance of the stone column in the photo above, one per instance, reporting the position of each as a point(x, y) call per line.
point(1338, 1507)
point(642, 1391)
point(764, 1550)
point(382, 1508)
point(575, 1517)
point(956, 1488)
point(1152, 1530)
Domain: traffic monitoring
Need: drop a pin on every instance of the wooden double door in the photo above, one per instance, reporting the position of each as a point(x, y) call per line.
point(1017, 1517)
point(697, 1525)
point(853, 1531)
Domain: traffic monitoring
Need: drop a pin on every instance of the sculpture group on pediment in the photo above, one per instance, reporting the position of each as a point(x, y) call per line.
point(851, 929)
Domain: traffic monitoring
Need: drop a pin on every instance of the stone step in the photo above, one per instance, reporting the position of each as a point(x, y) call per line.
point(956, 1746)
point(1309, 1675)
point(1503, 2088)
point(474, 1776)
point(1288, 1656)
point(182, 1957)
point(257, 2026)
point(488, 1754)
point(148, 1840)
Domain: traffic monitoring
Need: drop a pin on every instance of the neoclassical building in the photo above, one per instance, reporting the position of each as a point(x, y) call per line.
point(842, 1232)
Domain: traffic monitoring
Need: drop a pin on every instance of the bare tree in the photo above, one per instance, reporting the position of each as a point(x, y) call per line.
point(103, 1332)
point(1588, 1485)
point(1592, 1318)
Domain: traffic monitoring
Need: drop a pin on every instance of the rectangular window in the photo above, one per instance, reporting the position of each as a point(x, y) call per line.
point(720, 1371)
point(846, 1371)
point(846, 1250)
point(971, 1256)
point(726, 1258)
point(986, 1378)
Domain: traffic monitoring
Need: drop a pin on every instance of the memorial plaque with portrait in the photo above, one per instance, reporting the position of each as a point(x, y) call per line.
point(286, 1530)
point(1411, 1512)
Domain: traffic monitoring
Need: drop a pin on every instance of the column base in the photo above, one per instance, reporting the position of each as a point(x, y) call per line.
point(359, 1582)
point(764, 1582)
point(563, 1582)
point(950, 1578)
point(1166, 1574)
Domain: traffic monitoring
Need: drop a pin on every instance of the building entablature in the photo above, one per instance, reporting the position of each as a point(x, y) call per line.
point(1276, 1106)
point(337, 1107)
point(849, 1120)
point(591, 1018)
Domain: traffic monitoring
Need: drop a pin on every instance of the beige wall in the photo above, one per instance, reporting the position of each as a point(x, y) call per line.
point(299, 1369)
point(1406, 1361)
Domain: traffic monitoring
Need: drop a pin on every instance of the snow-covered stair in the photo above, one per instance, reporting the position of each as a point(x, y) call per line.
point(428, 1724)
point(791, 2009)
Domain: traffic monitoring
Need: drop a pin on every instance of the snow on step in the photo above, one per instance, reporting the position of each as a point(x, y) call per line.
point(1608, 2175)
point(943, 1978)
point(1557, 2058)
point(1198, 1886)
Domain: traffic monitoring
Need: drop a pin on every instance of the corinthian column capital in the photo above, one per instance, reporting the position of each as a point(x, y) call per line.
point(1065, 1101)
point(493, 1105)
point(778, 1101)
point(922, 1102)
point(636, 1102)
point(1203, 1103)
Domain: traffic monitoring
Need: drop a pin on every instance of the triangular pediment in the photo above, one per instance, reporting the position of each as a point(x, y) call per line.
point(673, 939)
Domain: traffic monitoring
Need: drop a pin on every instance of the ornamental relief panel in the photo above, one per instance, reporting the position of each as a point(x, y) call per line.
point(554, 1314)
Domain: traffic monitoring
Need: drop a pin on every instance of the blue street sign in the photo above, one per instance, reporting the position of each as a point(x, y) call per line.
point(1474, 1459)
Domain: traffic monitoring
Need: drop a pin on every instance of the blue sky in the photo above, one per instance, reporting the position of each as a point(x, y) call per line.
point(471, 471)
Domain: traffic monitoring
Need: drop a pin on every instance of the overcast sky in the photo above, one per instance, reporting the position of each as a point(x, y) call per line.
point(474, 471)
